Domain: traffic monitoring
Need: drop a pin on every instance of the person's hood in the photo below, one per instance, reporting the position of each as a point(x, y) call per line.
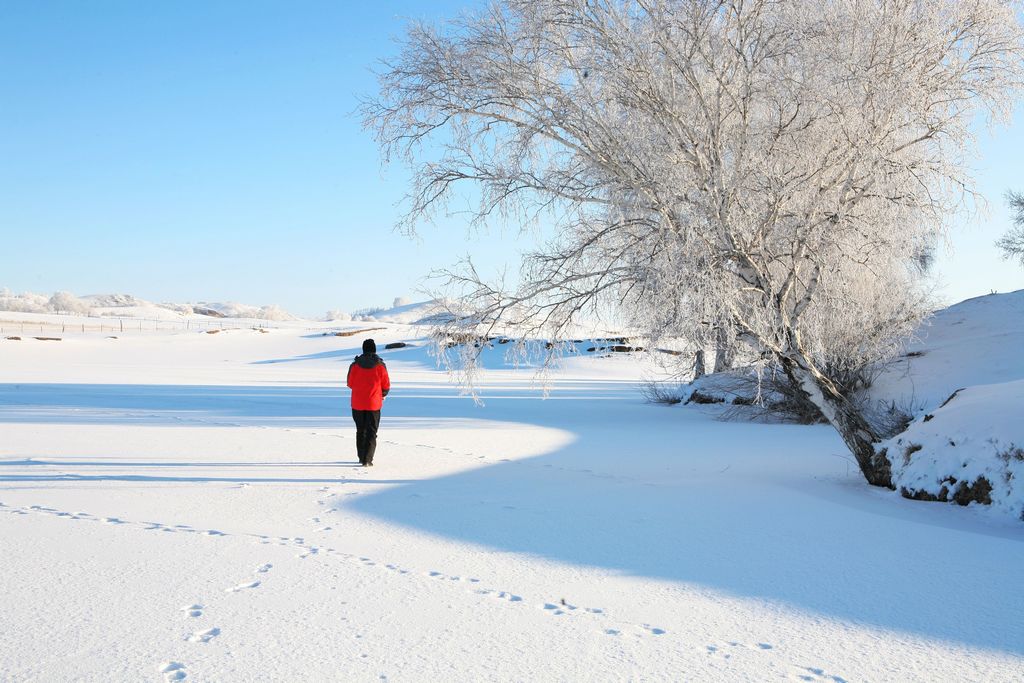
point(368, 361)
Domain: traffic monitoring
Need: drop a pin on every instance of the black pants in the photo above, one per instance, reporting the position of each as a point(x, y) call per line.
point(367, 422)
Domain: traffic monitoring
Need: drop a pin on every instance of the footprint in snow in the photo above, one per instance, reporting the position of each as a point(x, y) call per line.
point(195, 610)
point(204, 636)
point(263, 568)
point(552, 608)
point(242, 587)
point(721, 650)
point(172, 671)
point(501, 595)
point(815, 675)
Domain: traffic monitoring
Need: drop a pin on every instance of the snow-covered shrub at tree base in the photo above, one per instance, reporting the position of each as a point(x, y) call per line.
point(969, 450)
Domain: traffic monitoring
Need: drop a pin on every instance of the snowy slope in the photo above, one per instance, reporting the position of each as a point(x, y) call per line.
point(965, 449)
point(407, 314)
point(186, 507)
point(977, 341)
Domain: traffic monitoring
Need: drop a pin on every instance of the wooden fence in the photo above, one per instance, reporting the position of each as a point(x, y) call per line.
point(122, 326)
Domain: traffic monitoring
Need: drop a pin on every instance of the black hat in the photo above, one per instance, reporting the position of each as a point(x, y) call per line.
point(369, 346)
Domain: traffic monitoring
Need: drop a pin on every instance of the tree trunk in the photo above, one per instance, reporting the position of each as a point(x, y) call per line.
point(699, 366)
point(845, 417)
point(723, 351)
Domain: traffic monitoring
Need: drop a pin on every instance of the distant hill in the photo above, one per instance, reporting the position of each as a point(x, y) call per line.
point(128, 306)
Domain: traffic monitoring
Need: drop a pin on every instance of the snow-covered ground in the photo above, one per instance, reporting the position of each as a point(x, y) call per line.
point(186, 506)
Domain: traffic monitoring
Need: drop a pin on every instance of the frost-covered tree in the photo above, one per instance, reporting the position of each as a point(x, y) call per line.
point(337, 314)
point(768, 172)
point(66, 302)
point(1012, 243)
point(273, 312)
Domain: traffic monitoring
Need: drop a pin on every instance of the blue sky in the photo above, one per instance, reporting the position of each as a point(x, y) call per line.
point(185, 151)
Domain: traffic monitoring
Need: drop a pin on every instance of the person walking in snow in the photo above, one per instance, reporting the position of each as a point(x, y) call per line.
point(368, 379)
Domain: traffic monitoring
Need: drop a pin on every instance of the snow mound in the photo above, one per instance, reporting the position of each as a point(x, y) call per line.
point(964, 380)
point(971, 449)
point(421, 313)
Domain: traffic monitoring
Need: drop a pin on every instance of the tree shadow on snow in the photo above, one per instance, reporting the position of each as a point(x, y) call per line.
point(755, 511)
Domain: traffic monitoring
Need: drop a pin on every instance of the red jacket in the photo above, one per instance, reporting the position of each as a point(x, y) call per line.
point(368, 379)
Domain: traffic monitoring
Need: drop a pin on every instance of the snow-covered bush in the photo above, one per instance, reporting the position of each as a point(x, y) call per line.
point(970, 450)
point(367, 314)
point(274, 312)
point(23, 303)
point(335, 314)
point(662, 392)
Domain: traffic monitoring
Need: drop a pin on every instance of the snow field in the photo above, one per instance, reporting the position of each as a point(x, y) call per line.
point(185, 507)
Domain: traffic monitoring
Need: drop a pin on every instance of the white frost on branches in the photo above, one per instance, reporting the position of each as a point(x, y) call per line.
point(66, 302)
point(1012, 243)
point(768, 172)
